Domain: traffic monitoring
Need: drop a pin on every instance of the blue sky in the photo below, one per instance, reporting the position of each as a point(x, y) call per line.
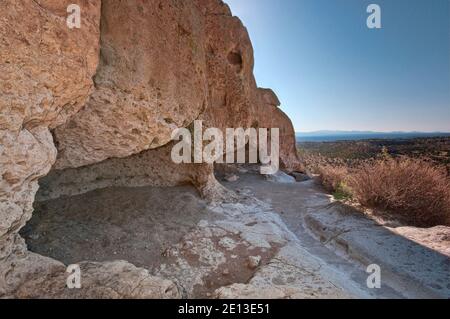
point(333, 73)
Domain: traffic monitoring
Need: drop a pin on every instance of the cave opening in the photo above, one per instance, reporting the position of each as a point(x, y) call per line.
point(235, 59)
point(168, 230)
point(134, 224)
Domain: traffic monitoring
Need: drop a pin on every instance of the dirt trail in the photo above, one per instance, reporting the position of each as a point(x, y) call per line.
point(290, 243)
point(349, 242)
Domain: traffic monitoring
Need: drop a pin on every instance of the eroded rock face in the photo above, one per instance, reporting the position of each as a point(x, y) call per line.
point(112, 98)
point(149, 168)
point(26, 156)
point(151, 80)
point(235, 99)
point(27, 275)
point(142, 95)
point(109, 128)
point(269, 115)
point(231, 83)
point(45, 73)
point(46, 68)
point(128, 114)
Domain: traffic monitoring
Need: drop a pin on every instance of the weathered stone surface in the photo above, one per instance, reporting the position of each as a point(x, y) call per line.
point(242, 291)
point(269, 115)
point(46, 68)
point(280, 177)
point(233, 100)
point(435, 238)
point(300, 177)
point(254, 261)
point(232, 86)
point(27, 275)
point(176, 235)
point(424, 270)
point(45, 77)
point(231, 178)
point(220, 68)
point(24, 158)
point(151, 80)
point(161, 66)
point(149, 168)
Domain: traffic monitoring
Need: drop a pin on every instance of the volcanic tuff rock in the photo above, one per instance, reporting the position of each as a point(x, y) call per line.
point(151, 79)
point(141, 95)
point(269, 115)
point(46, 76)
point(220, 48)
point(111, 93)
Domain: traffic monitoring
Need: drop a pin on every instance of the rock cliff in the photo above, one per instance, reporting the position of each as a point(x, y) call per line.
point(96, 106)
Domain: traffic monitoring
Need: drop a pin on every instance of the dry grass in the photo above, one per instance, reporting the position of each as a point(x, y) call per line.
point(334, 179)
point(415, 191)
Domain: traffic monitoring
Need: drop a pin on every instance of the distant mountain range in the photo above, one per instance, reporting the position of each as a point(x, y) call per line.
point(328, 136)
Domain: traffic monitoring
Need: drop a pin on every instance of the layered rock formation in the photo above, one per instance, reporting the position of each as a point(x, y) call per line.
point(111, 93)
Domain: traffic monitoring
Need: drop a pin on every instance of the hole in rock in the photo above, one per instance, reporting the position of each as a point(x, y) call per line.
point(132, 224)
point(235, 58)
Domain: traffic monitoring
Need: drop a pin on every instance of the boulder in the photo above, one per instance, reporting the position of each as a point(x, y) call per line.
point(281, 177)
point(300, 177)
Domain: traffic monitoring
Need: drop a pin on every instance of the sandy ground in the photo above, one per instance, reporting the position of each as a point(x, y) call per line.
point(132, 224)
point(306, 247)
